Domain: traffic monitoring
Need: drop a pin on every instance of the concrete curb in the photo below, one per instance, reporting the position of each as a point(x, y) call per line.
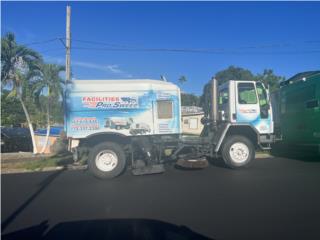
point(21, 170)
point(46, 169)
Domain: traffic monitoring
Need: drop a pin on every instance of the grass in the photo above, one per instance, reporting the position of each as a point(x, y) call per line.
point(54, 161)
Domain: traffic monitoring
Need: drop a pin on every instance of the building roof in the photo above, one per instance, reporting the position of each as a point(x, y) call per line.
point(191, 110)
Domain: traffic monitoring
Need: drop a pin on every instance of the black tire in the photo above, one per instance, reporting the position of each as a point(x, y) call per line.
point(233, 162)
point(107, 146)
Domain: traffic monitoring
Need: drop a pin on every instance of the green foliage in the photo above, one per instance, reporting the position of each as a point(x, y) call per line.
point(13, 115)
point(189, 99)
point(57, 112)
point(11, 110)
point(237, 73)
point(40, 164)
point(16, 61)
point(205, 98)
point(48, 78)
point(24, 76)
point(269, 79)
point(234, 73)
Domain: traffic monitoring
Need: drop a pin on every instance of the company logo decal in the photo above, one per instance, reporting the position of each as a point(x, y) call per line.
point(84, 123)
point(110, 102)
point(248, 110)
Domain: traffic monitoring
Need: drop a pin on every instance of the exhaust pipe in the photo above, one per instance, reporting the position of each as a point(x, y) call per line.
point(214, 101)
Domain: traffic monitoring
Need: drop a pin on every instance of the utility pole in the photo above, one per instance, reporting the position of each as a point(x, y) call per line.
point(68, 45)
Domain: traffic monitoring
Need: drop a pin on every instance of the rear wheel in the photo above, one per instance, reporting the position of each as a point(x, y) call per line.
point(238, 151)
point(107, 160)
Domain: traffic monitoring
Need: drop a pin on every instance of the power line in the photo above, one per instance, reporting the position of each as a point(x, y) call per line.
point(41, 42)
point(103, 43)
point(151, 50)
point(53, 49)
point(273, 45)
point(234, 51)
point(199, 51)
point(263, 46)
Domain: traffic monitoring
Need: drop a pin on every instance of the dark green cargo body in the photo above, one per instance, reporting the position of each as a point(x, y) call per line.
point(299, 110)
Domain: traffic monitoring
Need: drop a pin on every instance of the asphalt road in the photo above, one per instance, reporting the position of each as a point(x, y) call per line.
point(275, 198)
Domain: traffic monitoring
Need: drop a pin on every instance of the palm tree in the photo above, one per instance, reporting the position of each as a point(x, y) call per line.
point(182, 79)
point(48, 79)
point(17, 66)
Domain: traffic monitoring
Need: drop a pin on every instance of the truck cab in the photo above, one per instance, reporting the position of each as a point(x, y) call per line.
point(245, 102)
point(239, 121)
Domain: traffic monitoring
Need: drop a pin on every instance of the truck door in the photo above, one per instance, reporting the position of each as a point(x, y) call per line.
point(247, 105)
point(263, 101)
point(223, 104)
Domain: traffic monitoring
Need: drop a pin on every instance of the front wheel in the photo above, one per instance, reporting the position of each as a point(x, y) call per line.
point(238, 151)
point(107, 160)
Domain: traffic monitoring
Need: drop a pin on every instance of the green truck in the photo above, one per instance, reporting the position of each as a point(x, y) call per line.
point(296, 109)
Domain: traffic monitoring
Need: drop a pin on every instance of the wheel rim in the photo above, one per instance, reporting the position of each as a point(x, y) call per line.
point(239, 152)
point(106, 160)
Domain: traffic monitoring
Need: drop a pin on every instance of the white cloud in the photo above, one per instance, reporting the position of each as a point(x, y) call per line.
point(112, 68)
point(105, 68)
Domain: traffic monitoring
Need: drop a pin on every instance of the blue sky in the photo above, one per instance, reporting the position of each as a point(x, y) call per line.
point(283, 36)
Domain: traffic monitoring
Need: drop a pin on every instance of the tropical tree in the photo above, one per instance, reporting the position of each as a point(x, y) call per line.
point(270, 79)
point(234, 73)
point(11, 110)
point(48, 79)
point(182, 79)
point(189, 99)
point(205, 98)
point(18, 63)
